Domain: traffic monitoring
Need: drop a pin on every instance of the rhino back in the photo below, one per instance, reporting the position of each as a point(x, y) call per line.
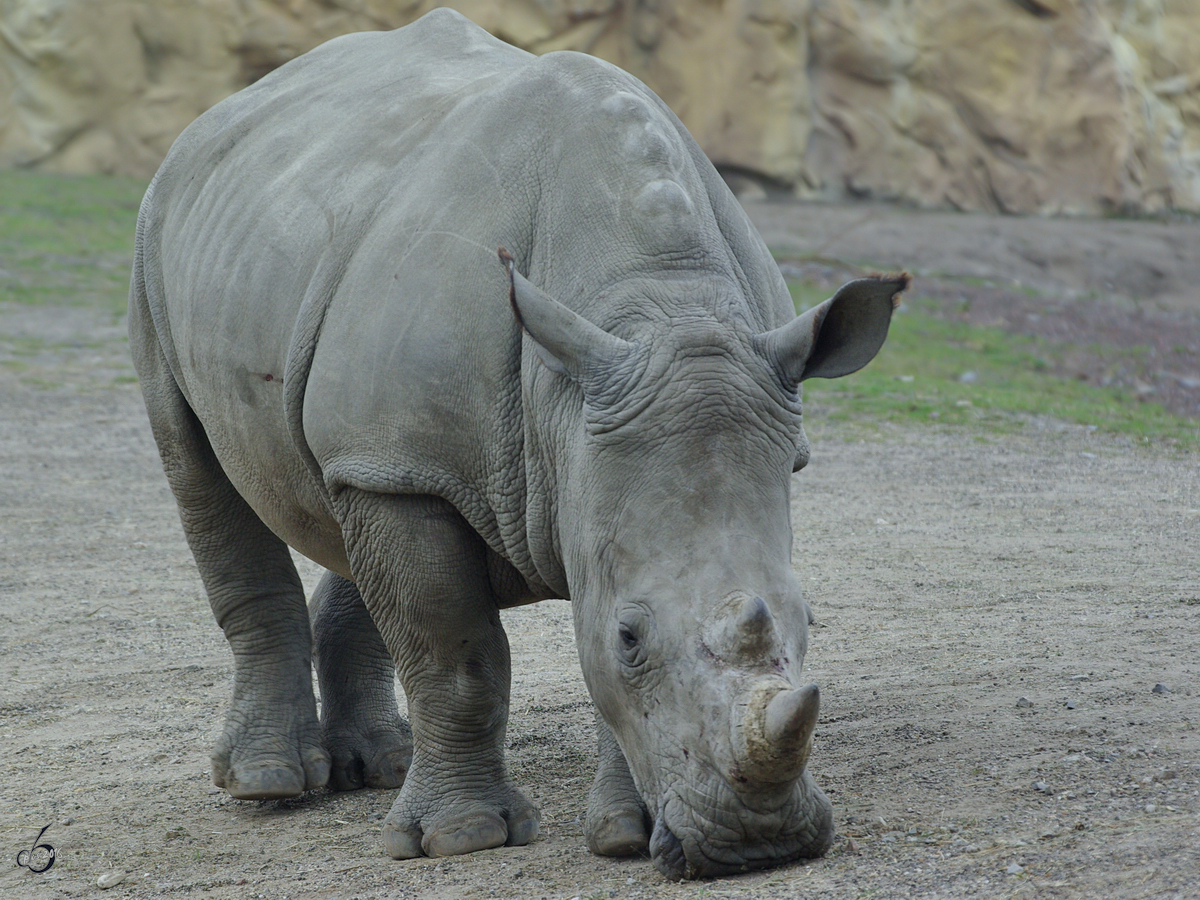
point(254, 220)
point(345, 212)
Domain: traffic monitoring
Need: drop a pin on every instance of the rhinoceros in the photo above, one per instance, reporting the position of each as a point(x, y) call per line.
point(337, 356)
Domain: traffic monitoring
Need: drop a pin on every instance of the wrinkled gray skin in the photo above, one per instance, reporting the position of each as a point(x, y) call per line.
point(333, 357)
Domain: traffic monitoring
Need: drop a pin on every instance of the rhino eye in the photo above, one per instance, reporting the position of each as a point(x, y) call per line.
point(629, 640)
point(630, 645)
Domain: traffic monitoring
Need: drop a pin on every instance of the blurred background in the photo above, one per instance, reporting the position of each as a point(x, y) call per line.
point(1016, 106)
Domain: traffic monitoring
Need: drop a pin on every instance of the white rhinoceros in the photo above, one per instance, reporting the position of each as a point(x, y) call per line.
point(333, 358)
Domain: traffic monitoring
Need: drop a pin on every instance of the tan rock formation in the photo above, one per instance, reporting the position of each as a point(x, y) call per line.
point(1016, 105)
point(1013, 105)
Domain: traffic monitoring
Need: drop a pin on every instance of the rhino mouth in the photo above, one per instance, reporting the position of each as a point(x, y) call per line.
point(686, 846)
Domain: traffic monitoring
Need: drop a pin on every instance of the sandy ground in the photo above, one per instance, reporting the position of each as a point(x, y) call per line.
point(952, 574)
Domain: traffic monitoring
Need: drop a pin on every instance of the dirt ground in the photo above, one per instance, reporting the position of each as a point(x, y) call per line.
point(996, 615)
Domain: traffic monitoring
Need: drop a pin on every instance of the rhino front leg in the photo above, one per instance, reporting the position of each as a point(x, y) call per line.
point(370, 744)
point(423, 575)
point(617, 821)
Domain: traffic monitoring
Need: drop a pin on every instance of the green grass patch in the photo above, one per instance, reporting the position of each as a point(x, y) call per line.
point(67, 240)
point(934, 371)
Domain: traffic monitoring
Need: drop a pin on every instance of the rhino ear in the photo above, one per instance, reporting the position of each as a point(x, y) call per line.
point(565, 341)
point(839, 336)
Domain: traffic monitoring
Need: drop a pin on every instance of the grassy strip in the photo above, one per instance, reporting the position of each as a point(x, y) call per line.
point(67, 240)
point(949, 373)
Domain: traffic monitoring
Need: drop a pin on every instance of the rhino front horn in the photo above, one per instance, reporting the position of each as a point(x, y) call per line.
point(791, 718)
point(778, 732)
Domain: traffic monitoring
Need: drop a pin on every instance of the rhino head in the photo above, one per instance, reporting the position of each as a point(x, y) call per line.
point(674, 531)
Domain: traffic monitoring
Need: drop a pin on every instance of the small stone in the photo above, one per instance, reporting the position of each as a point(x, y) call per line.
point(1024, 702)
point(68, 821)
point(968, 378)
point(1087, 455)
point(1070, 704)
point(1151, 807)
point(109, 879)
point(1160, 688)
point(1079, 678)
point(889, 839)
point(851, 845)
point(1041, 787)
point(1014, 869)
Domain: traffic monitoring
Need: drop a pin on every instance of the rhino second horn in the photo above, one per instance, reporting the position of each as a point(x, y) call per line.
point(754, 621)
point(778, 732)
point(742, 630)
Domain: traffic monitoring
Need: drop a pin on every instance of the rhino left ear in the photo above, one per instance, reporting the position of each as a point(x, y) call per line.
point(565, 341)
point(839, 336)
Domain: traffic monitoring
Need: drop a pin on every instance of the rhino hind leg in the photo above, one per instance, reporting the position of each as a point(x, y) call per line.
point(423, 574)
point(618, 823)
point(370, 745)
point(270, 746)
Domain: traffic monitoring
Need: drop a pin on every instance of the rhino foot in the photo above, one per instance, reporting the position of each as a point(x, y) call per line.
point(617, 821)
point(260, 762)
point(504, 817)
point(370, 744)
point(619, 832)
point(377, 757)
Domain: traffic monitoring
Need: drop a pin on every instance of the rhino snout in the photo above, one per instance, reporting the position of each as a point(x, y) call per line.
point(765, 811)
point(686, 845)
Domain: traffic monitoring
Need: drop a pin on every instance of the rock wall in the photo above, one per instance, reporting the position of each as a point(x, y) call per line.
point(1012, 105)
point(1077, 106)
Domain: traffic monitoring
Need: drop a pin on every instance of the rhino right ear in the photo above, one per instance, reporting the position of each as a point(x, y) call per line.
point(839, 336)
point(565, 341)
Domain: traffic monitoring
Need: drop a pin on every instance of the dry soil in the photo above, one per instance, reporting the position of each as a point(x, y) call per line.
point(995, 615)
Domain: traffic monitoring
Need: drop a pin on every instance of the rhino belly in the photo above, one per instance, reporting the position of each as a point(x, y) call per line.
point(232, 358)
point(251, 442)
